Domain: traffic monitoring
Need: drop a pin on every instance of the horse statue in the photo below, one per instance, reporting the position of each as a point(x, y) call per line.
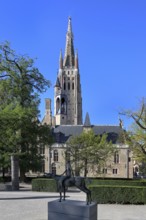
point(77, 181)
point(69, 180)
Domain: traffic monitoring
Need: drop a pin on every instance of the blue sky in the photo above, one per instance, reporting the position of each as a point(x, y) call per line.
point(110, 36)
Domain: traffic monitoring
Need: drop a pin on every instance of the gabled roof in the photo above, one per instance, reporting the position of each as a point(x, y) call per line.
point(63, 132)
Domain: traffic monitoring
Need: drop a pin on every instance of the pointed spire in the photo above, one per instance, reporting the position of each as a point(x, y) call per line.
point(60, 60)
point(69, 48)
point(87, 121)
point(69, 29)
point(57, 84)
point(76, 60)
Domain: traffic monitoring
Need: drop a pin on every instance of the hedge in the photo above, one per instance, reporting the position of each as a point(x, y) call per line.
point(117, 182)
point(44, 185)
point(1, 180)
point(118, 194)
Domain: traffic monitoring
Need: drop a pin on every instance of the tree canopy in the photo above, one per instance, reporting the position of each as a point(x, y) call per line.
point(21, 133)
point(136, 137)
point(88, 151)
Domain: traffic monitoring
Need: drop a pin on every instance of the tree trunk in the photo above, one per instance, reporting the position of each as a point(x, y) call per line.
point(15, 172)
point(3, 170)
point(22, 175)
point(85, 168)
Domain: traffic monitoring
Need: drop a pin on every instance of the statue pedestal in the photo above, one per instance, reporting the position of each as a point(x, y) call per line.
point(71, 210)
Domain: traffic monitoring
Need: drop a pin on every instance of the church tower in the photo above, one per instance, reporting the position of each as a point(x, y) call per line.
point(67, 98)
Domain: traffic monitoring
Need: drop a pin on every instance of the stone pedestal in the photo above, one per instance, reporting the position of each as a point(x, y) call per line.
point(71, 210)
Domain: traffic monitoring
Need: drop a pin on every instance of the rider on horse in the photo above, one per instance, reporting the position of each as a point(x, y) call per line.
point(69, 173)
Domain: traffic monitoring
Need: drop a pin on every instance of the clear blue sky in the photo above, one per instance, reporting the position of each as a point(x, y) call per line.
point(110, 36)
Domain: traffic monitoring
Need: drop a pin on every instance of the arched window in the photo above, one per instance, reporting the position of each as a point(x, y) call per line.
point(116, 158)
point(57, 106)
point(55, 155)
point(54, 168)
point(63, 106)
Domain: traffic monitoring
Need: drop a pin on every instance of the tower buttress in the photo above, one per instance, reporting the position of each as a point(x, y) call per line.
point(48, 113)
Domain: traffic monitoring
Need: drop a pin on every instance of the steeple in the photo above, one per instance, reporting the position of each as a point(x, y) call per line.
point(67, 90)
point(57, 84)
point(87, 121)
point(69, 48)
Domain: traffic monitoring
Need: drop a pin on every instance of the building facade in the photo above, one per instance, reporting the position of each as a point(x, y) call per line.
point(67, 119)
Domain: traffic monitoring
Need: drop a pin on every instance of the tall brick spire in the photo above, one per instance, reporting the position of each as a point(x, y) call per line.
point(69, 48)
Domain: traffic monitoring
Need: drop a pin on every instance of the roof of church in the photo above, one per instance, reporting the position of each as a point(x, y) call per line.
point(63, 132)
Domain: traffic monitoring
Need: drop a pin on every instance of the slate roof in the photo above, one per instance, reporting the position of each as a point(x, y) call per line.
point(63, 132)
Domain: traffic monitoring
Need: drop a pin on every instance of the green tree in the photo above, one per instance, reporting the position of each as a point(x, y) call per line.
point(88, 151)
point(136, 137)
point(21, 133)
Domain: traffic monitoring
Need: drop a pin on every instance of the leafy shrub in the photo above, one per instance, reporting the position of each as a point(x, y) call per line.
point(104, 194)
point(1, 180)
point(44, 185)
point(118, 182)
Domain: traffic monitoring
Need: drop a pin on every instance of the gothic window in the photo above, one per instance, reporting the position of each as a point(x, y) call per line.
point(116, 158)
point(58, 106)
point(54, 168)
point(73, 86)
point(55, 155)
point(68, 86)
point(63, 106)
point(105, 170)
point(115, 171)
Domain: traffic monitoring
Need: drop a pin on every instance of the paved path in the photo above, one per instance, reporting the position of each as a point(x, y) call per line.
point(28, 205)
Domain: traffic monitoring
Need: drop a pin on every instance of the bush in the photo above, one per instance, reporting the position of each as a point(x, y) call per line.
point(118, 194)
point(1, 180)
point(118, 182)
point(44, 185)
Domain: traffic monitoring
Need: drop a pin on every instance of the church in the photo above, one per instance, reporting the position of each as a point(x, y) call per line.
point(68, 119)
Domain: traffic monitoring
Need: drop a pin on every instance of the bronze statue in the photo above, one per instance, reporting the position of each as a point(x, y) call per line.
point(70, 180)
